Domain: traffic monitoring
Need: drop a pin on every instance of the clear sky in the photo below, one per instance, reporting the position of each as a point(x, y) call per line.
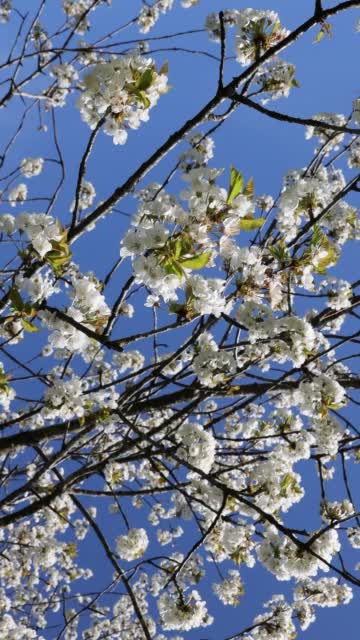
point(329, 81)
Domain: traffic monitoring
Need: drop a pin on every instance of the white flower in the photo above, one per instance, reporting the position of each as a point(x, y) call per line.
point(354, 154)
point(230, 589)
point(148, 16)
point(18, 195)
point(313, 398)
point(326, 592)
point(65, 398)
point(211, 365)
point(183, 614)
point(354, 537)
point(199, 154)
point(189, 3)
point(327, 137)
point(257, 32)
point(356, 110)
point(208, 295)
point(87, 195)
point(7, 394)
point(148, 271)
point(332, 511)
point(276, 623)
point(7, 224)
point(30, 167)
point(276, 79)
point(5, 10)
point(133, 360)
point(41, 229)
point(132, 545)
point(65, 74)
point(283, 558)
point(38, 286)
point(197, 446)
point(122, 90)
point(87, 297)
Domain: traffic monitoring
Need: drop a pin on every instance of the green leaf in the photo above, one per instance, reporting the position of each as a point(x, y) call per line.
point(183, 245)
point(56, 260)
point(29, 310)
point(249, 224)
point(279, 252)
point(31, 328)
point(330, 259)
point(145, 81)
point(335, 407)
point(285, 484)
point(178, 247)
point(172, 267)
point(16, 299)
point(249, 189)
point(317, 236)
point(144, 99)
point(4, 381)
point(236, 184)
point(319, 36)
point(60, 254)
point(331, 256)
point(197, 262)
point(325, 29)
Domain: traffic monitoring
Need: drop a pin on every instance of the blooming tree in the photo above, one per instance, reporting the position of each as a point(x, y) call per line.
point(140, 481)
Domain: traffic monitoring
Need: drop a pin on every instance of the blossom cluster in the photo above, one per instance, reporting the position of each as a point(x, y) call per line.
point(121, 91)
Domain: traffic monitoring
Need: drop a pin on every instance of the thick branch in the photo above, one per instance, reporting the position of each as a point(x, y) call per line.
point(29, 438)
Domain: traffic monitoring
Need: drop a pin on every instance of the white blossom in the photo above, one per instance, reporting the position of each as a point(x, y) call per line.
point(31, 167)
point(132, 545)
point(183, 614)
point(197, 446)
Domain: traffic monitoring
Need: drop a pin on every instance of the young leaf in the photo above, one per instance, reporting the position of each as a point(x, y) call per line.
point(329, 260)
point(29, 310)
point(16, 299)
point(31, 328)
point(236, 184)
point(183, 245)
point(174, 268)
point(279, 252)
point(178, 247)
point(325, 29)
point(56, 260)
point(319, 36)
point(4, 381)
point(60, 254)
point(145, 80)
point(317, 236)
point(197, 262)
point(249, 224)
point(144, 99)
point(285, 484)
point(249, 189)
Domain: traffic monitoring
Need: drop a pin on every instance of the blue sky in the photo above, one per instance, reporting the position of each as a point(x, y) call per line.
point(258, 147)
